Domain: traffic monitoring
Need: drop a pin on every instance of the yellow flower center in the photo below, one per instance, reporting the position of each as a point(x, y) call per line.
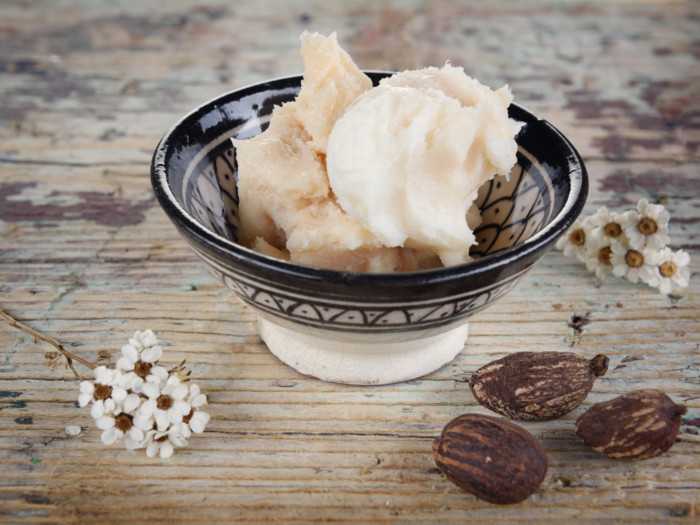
point(142, 369)
point(102, 391)
point(604, 255)
point(164, 402)
point(123, 422)
point(634, 259)
point(577, 237)
point(613, 229)
point(647, 226)
point(667, 269)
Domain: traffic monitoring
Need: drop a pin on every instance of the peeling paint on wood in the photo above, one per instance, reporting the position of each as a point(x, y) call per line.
point(86, 91)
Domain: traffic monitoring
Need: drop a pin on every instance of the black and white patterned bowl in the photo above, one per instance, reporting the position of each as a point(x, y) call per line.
point(361, 328)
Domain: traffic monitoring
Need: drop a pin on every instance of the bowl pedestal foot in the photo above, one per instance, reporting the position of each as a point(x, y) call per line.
point(369, 362)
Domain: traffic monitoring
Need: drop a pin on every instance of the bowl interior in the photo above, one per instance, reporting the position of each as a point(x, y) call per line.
point(202, 169)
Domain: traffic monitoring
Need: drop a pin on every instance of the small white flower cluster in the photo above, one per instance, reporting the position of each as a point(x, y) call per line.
point(142, 403)
point(632, 244)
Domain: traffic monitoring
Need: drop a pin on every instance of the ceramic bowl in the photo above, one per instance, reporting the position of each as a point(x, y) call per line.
point(361, 328)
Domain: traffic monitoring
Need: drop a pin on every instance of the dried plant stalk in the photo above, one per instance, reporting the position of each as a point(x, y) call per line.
point(70, 356)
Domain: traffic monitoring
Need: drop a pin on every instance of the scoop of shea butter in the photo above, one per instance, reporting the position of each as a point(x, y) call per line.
point(407, 157)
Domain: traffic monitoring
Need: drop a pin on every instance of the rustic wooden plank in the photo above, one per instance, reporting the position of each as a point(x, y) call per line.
point(86, 256)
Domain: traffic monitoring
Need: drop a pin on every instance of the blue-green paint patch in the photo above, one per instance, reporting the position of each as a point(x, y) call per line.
point(9, 393)
point(35, 460)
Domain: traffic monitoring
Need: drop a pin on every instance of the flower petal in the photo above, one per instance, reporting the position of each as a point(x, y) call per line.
point(118, 394)
point(178, 440)
point(148, 338)
point(681, 258)
point(175, 416)
point(152, 354)
point(144, 423)
point(125, 364)
point(130, 381)
point(136, 434)
point(111, 435)
point(162, 419)
point(179, 392)
point(84, 400)
point(98, 409)
point(131, 403)
point(110, 406)
point(158, 374)
point(130, 353)
point(619, 270)
point(105, 422)
point(130, 443)
point(665, 286)
point(151, 390)
point(166, 449)
point(181, 407)
point(148, 408)
point(199, 421)
point(637, 242)
point(152, 449)
point(198, 401)
point(103, 375)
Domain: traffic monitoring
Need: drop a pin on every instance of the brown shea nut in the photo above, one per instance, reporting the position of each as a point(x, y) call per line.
point(536, 386)
point(494, 459)
point(639, 425)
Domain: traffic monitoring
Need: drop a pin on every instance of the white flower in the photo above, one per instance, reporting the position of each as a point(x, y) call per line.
point(139, 359)
point(599, 255)
point(605, 224)
point(166, 405)
point(164, 442)
point(126, 423)
point(672, 272)
point(633, 264)
point(105, 393)
point(196, 420)
point(573, 242)
point(647, 226)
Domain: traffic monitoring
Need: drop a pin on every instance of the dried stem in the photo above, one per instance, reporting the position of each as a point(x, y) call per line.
point(70, 356)
point(181, 372)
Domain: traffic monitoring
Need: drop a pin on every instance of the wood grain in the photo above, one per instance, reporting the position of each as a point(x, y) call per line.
point(86, 256)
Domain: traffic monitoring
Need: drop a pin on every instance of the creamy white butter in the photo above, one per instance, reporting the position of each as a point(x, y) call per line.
point(407, 157)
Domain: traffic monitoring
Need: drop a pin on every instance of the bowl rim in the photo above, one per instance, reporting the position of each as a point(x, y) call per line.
point(246, 256)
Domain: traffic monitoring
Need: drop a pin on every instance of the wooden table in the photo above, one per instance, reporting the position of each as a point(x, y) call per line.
point(87, 256)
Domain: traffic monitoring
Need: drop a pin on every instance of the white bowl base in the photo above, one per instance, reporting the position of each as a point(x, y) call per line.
point(363, 363)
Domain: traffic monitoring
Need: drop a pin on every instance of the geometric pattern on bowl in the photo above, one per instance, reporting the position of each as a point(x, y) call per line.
point(194, 177)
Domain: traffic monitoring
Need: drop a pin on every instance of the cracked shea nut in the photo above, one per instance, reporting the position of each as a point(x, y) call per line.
point(536, 386)
point(494, 459)
point(640, 425)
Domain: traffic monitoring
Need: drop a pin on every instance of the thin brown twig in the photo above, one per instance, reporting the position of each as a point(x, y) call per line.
point(70, 356)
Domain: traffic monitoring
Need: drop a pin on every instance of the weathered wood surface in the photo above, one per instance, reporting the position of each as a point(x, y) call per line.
point(86, 91)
